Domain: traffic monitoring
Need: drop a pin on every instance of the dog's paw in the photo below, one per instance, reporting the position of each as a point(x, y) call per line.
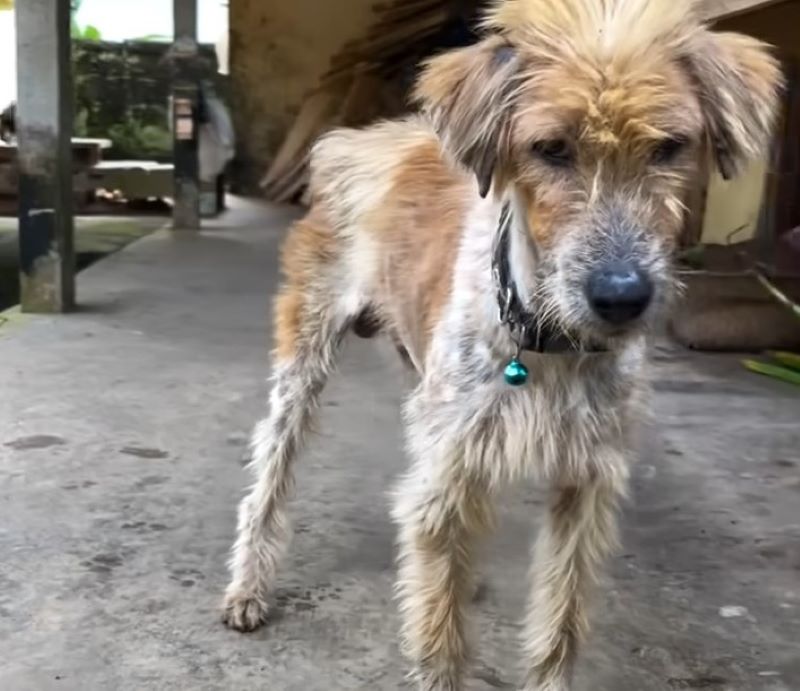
point(243, 612)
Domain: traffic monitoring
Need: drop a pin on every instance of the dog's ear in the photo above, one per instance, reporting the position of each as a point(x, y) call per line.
point(739, 82)
point(468, 92)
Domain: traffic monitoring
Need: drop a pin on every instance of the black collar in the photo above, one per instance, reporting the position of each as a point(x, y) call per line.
point(527, 330)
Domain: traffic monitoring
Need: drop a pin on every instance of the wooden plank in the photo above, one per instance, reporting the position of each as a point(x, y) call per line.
point(381, 7)
point(404, 14)
point(363, 103)
point(407, 14)
point(406, 34)
point(723, 9)
point(316, 110)
point(292, 183)
point(293, 190)
point(356, 68)
point(382, 33)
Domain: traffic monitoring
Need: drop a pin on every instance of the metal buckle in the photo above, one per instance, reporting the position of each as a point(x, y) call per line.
point(504, 310)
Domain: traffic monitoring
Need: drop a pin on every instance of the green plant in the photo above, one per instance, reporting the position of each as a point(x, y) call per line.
point(135, 139)
point(785, 366)
point(86, 33)
point(80, 125)
point(786, 374)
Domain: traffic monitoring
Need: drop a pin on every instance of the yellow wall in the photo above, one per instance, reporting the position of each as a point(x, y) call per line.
point(278, 51)
point(734, 203)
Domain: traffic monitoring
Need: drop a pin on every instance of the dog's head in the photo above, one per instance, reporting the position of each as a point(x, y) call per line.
point(597, 116)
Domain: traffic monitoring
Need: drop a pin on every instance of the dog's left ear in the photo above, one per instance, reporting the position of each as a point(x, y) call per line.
point(739, 82)
point(468, 94)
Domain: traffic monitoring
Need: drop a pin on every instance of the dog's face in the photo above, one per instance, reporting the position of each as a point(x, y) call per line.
point(597, 116)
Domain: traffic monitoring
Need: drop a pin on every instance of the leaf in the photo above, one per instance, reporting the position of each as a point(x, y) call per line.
point(91, 33)
point(694, 257)
point(775, 371)
point(791, 360)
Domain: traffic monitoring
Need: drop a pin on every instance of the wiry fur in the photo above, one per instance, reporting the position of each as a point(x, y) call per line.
point(400, 238)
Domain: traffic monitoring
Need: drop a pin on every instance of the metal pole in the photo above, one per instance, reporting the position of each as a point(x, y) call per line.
point(185, 100)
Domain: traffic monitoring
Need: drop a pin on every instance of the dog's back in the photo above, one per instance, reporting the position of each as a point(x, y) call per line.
point(387, 213)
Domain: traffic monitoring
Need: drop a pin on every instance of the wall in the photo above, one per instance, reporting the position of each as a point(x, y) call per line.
point(734, 206)
point(278, 51)
point(737, 202)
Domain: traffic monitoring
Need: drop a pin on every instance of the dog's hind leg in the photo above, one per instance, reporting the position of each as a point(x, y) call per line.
point(310, 324)
point(579, 533)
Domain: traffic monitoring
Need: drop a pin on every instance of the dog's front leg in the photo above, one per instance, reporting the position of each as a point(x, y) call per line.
point(579, 533)
point(440, 514)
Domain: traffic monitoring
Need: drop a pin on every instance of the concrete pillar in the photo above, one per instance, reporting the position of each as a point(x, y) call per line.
point(44, 127)
point(185, 93)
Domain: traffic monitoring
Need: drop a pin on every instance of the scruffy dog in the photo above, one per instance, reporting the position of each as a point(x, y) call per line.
point(584, 122)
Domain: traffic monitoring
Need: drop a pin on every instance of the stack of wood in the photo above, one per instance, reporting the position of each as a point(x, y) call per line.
point(367, 80)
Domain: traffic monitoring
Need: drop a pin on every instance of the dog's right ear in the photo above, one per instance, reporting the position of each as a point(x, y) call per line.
point(739, 82)
point(468, 93)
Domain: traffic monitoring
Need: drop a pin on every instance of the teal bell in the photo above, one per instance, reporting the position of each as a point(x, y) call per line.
point(516, 373)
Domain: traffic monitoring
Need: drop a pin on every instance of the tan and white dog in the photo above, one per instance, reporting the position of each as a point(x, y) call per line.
point(585, 123)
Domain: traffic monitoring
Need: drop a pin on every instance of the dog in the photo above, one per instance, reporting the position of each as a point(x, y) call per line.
point(515, 237)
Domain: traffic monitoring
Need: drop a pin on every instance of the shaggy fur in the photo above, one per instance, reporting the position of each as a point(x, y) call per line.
point(590, 118)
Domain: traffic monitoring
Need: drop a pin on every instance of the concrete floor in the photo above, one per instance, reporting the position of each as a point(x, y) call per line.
point(123, 431)
point(95, 237)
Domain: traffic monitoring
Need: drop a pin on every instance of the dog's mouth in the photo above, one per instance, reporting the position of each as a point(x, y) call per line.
point(582, 329)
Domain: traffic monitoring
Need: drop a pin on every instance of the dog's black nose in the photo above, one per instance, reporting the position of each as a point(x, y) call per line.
point(619, 292)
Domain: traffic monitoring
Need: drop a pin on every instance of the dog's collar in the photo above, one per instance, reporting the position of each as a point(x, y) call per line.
point(527, 330)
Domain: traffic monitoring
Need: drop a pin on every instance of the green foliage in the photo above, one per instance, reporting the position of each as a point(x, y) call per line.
point(784, 374)
point(86, 33)
point(693, 257)
point(90, 33)
point(80, 124)
point(790, 360)
point(134, 139)
point(121, 93)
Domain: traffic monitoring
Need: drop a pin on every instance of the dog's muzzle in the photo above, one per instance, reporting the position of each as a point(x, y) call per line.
point(619, 292)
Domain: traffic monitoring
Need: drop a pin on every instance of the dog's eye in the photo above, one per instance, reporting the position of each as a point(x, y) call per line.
point(556, 152)
point(668, 150)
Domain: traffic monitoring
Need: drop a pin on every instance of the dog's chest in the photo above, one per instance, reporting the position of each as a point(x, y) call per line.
point(569, 417)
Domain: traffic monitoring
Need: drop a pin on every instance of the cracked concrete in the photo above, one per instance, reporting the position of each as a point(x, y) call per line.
point(123, 432)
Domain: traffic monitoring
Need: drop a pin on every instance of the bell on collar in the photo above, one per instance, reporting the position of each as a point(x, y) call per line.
point(516, 374)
